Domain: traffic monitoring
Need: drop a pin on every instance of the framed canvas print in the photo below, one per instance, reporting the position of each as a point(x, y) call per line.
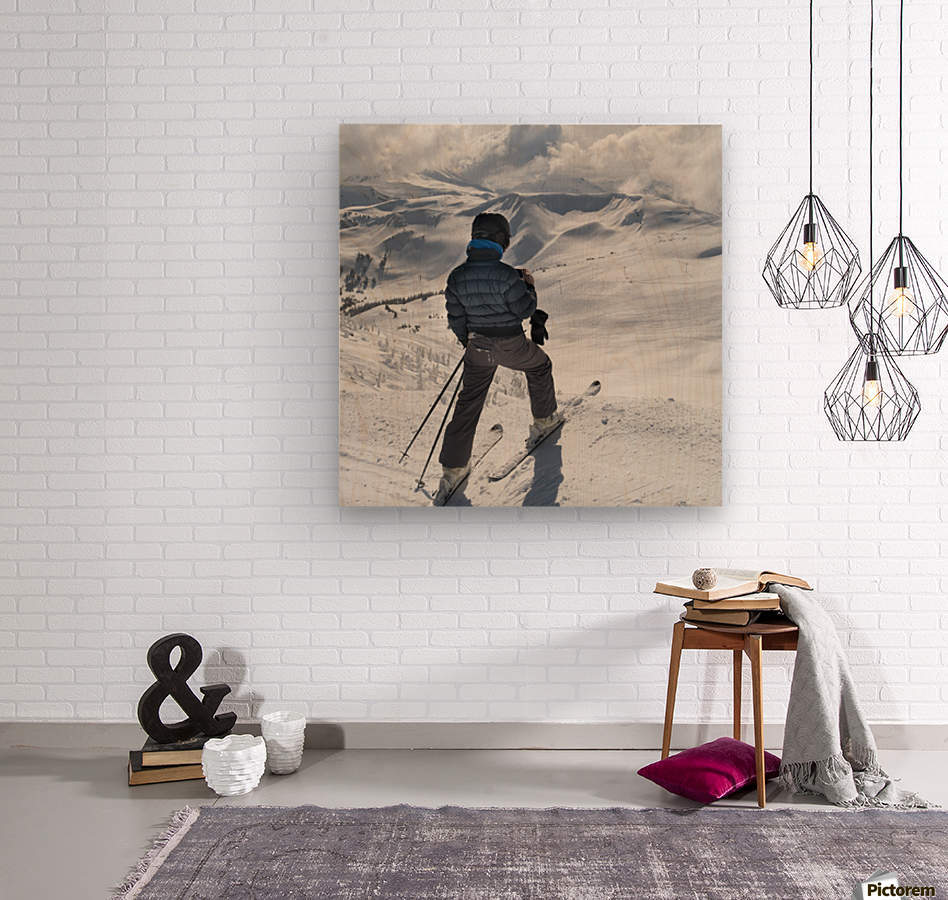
point(530, 315)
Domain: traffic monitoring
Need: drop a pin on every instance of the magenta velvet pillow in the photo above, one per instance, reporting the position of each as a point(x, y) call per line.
point(711, 771)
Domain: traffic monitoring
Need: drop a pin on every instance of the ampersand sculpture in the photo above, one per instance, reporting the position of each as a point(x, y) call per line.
point(172, 681)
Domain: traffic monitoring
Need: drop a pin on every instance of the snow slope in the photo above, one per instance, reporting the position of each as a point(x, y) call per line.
point(632, 285)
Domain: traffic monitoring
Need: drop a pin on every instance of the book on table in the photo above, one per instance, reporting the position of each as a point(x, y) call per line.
point(175, 754)
point(156, 763)
point(715, 616)
point(760, 600)
point(731, 583)
point(139, 774)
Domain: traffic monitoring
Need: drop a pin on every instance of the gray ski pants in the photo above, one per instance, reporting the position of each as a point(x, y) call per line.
point(481, 359)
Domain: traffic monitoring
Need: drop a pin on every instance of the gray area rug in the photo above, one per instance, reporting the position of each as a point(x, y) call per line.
point(555, 854)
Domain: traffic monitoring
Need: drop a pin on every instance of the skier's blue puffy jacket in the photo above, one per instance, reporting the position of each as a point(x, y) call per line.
point(486, 295)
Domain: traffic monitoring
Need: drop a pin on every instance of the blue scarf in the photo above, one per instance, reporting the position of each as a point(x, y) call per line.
point(484, 244)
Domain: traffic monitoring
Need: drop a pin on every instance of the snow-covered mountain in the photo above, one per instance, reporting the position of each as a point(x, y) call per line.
point(421, 227)
point(632, 286)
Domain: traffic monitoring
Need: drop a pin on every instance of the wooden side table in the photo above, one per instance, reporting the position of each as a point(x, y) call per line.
point(749, 639)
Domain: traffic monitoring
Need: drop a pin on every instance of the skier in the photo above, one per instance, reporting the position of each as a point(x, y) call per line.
point(487, 301)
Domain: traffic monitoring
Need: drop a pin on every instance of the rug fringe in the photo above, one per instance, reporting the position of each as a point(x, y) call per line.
point(145, 868)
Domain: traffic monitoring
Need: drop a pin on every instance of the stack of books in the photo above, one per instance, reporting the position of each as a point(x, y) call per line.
point(738, 597)
point(156, 763)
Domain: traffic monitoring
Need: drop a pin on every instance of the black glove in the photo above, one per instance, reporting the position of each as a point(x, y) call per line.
point(538, 332)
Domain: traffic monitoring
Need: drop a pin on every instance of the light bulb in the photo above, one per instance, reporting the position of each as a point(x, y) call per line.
point(811, 256)
point(900, 303)
point(871, 393)
point(871, 389)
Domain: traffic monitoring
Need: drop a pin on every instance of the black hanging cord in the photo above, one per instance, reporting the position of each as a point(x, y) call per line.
point(872, 25)
point(869, 282)
point(901, 39)
point(811, 109)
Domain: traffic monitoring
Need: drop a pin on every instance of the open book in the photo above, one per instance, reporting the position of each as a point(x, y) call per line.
point(731, 583)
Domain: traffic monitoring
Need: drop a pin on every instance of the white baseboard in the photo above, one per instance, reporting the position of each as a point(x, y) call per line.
point(462, 735)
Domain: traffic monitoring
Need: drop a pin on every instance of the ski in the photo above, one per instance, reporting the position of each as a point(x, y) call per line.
point(565, 410)
point(493, 438)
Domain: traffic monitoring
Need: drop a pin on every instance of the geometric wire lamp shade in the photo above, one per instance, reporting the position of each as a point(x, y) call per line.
point(813, 263)
point(904, 301)
point(870, 399)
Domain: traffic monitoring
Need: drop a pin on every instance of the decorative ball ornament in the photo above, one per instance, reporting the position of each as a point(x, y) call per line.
point(704, 579)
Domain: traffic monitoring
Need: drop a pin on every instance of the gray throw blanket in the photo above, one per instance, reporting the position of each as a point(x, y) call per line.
point(828, 747)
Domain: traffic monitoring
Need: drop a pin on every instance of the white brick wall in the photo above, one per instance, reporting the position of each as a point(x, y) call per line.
point(168, 357)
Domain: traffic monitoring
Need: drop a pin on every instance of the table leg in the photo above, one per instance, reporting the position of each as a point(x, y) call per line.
point(678, 639)
point(737, 694)
point(754, 649)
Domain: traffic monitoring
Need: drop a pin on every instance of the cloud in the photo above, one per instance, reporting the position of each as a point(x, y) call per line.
point(473, 151)
point(680, 161)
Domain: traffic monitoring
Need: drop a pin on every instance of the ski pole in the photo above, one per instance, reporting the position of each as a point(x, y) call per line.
point(430, 411)
point(444, 422)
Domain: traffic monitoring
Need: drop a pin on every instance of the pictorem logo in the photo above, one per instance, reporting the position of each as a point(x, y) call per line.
point(886, 884)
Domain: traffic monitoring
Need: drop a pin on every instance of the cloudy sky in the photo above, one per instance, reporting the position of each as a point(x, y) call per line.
point(679, 161)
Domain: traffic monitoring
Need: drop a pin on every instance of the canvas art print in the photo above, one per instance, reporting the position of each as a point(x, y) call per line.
point(530, 315)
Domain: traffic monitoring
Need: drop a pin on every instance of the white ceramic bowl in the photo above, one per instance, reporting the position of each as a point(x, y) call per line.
point(235, 746)
point(234, 764)
point(285, 733)
point(283, 721)
point(282, 749)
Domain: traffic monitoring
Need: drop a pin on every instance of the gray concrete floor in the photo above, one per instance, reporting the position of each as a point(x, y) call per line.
point(70, 827)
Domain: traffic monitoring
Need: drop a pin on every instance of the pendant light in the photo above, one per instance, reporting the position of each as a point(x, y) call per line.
point(911, 315)
point(814, 263)
point(870, 399)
